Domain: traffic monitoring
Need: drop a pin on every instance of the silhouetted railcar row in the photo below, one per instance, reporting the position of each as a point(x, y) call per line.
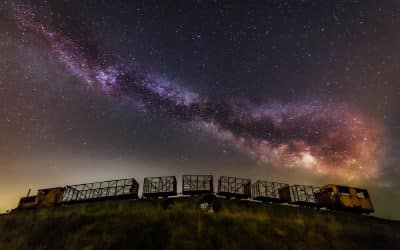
point(330, 196)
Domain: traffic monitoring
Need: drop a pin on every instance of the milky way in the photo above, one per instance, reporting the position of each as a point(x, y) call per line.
point(327, 139)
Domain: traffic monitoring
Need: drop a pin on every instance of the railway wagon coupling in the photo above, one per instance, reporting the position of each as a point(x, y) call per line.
point(330, 196)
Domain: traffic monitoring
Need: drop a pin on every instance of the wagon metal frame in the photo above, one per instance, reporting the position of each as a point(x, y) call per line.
point(234, 187)
point(111, 189)
point(267, 191)
point(304, 195)
point(197, 184)
point(162, 186)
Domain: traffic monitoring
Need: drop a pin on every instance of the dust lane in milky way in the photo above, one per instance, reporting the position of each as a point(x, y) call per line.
point(329, 139)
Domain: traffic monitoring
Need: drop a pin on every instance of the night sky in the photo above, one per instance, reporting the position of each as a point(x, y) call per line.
point(303, 92)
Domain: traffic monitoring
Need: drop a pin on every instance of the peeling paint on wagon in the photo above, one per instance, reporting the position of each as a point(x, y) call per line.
point(345, 198)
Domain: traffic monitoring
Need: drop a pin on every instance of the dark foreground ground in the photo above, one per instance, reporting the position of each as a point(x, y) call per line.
point(148, 224)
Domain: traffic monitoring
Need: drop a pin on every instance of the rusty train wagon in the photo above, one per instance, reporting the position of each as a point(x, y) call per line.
point(103, 190)
point(233, 187)
point(163, 186)
point(303, 195)
point(47, 197)
point(345, 198)
point(266, 191)
point(197, 184)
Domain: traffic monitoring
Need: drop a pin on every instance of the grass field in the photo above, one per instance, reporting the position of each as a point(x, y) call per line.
point(146, 224)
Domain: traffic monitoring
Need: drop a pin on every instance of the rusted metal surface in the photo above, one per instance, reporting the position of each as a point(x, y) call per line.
point(284, 194)
point(162, 186)
point(112, 189)
point(268, 191)
point(197, 184)
point(50, 196)
point(27, 202)
point(47, 197)
point(345, 198)
point(234, 187)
